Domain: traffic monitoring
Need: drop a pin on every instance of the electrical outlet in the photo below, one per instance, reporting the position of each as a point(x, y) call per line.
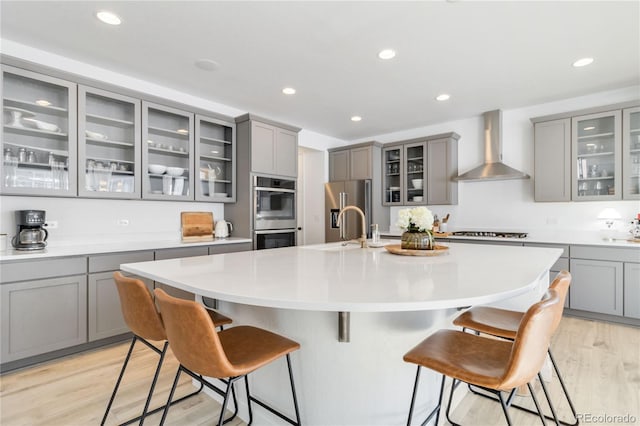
point(123, 222)
point(52, 224)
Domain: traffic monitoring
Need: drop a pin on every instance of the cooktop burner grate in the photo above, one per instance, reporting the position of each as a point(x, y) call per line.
point(491, 234)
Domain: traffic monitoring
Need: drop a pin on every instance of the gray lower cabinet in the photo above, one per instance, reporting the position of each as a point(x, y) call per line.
point(632, 290)
point(562, 264)
point(43, 315)
point(104, 311)
point(596, 286)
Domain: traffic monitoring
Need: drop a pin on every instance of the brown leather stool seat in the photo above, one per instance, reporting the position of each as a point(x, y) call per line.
point(491, 364)
point(229, 354)
point(142, 318)
point(504, 323)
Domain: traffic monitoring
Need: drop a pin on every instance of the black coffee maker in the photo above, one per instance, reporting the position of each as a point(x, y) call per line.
point(31, 234)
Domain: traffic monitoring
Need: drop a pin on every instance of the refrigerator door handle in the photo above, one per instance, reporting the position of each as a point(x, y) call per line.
point(343, 222)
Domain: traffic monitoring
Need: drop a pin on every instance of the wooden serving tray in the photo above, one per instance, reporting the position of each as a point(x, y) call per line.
point(397, 249)
point(196, 224)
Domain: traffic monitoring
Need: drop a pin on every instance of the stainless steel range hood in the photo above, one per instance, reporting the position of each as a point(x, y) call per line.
point(493, 167)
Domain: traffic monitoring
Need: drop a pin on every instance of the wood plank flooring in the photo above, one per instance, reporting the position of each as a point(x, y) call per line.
point(600, 363)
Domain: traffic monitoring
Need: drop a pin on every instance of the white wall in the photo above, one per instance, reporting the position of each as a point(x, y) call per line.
point(509, 205)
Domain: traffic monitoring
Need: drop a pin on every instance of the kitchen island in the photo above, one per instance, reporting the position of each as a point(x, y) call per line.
point(394, 301)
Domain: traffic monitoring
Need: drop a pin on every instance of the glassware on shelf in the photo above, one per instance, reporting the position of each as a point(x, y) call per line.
point(10, 171)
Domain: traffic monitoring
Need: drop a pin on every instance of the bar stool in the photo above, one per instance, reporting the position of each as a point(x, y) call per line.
point(140, 314)
point(504, 323)
point(491, 364)
point(230, 354)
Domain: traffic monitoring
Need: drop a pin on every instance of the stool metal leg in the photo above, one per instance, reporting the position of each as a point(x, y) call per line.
point(436, 410)
point(564, 389)
point(115, 389)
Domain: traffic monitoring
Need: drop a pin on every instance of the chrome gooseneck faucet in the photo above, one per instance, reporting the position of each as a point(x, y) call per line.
point(363, 237)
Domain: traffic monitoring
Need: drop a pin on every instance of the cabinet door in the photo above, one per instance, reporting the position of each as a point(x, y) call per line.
point(360, 163)
point(109, 159)
point(39, 139)
point(215, 154)
point(167, 150)
point(263, 146)
point(104, 310)
point(339, 165)
point(632, 290)
point(414, 174)
point(286, 153)
point(42, 316)
point(596, 286)
point(631, 154)
point(442, 167)
point(596, 153)
point(552, 160)
point(392, 172)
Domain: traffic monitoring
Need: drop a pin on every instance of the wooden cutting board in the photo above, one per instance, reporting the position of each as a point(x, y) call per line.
point(196, 226)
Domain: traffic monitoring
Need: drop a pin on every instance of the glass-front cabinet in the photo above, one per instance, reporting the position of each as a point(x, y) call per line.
point(596, 143)
point(108, 144)
point(392, 171)
point(631, 153)
point(414, 173)
point(215, 152)
point(38, 134)
point(167, 153)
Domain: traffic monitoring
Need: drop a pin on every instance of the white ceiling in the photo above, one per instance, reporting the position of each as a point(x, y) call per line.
point(487, 55)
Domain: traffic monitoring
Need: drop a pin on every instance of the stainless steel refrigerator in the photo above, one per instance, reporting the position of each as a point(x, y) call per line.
point(361, 193)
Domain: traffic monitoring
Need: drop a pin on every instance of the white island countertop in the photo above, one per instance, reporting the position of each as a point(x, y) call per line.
point(333, 277)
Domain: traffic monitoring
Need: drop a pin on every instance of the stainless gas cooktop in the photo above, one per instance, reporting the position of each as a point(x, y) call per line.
point(490, 234)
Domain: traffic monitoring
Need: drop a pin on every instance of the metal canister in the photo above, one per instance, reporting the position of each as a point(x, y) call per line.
point(22, 155)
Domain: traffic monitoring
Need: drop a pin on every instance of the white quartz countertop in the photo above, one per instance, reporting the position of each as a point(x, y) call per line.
point(333, 277)
point(592, 238)
point(83, 248)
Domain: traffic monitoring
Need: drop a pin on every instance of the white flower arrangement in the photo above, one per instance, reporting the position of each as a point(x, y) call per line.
point(417, 219)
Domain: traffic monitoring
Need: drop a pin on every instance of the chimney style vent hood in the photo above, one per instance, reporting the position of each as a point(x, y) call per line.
point(493, 167)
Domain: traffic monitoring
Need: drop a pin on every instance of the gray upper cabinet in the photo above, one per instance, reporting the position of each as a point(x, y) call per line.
point(354, 163)
point(38, 134)
point(596, 152)
point(273, 147)
point(442, 167)
point(631, 153)
point(167, 153)
point(215, 152)
point(109, 149)
point(552, 160)
point(421, 171)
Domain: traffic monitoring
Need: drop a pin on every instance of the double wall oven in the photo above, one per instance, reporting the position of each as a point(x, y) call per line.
point(274, 213)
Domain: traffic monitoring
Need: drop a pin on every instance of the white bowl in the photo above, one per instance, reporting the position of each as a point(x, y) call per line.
point(42, 125)
point(417, 198)
point(157, 169)
point(175, 171)
point(417, 183)
point(95, 135)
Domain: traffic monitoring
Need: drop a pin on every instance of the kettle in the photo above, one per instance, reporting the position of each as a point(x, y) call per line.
point(223, 229)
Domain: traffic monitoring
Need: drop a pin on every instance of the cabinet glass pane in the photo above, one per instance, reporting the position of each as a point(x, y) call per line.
point(596, 154)
point(109, 140)
point(215, 160)
point(392, 175)
point(167, 145)
point(415, 173)
point(633, 157)
point(36, 134)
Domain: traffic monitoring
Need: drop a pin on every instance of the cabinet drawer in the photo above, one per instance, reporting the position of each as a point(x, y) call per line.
point(613, 254)
point(561, 264)
point(230, 248)
point(111, 262)
point(175, 253)
point(49, 268)
point(564, 247)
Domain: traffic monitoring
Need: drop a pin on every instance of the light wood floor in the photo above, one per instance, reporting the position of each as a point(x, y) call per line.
point(600, 363)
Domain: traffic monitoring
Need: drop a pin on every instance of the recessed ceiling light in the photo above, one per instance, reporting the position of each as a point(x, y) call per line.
point(583, 62)
point(108, 17)
point(207, 64)
point(356, 118)
point(443, 97)
point(289, 91)
point(43, 102)
point(387, 54)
